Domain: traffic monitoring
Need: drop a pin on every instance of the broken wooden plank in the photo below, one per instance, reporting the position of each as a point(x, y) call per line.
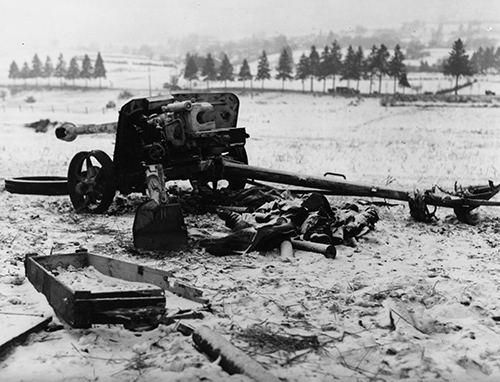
point(17, 335)
point(189, 315)
point(188, 292)
point(140, 273)
point(129, 271)
point(232, 359)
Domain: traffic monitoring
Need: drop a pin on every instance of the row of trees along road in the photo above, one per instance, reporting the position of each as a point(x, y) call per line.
point(486, 59)
point(225, 71)
point(61, 70)
point(330, 63)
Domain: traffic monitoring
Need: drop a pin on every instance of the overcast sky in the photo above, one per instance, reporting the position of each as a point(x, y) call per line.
point(38, 23)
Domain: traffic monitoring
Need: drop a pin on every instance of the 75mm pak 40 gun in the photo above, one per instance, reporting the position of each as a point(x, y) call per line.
point(195, 136)
point(183, 136)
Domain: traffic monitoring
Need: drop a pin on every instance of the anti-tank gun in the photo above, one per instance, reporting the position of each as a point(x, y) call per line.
point(183, 136)
point(194, 136)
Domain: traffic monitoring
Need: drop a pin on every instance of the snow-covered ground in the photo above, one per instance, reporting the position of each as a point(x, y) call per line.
point(438, 282)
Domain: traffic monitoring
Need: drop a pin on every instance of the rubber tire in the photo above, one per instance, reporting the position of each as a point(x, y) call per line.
point(108, 173)
point(37, 185)
point(239, 154)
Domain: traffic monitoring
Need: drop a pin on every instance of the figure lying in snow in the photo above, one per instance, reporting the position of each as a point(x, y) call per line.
point(274, 221)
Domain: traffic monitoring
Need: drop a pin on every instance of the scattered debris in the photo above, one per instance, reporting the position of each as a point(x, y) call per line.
point(310, 223)
point(327, 250)
point(125, 94)
point(268, 340)
point(286, 249)
point(232, 359)
point(12, 336)
point(463, 200)
point(472, 365)
point(41, 126)
point(181, 315)
point(419, 209)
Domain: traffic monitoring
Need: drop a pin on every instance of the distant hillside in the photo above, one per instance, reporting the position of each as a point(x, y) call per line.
point(414, 37)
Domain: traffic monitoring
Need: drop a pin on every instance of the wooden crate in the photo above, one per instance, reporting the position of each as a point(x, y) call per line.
point(82, 308)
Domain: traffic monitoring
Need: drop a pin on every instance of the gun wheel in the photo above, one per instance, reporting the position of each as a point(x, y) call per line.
point(37, 185)
point(91, 183)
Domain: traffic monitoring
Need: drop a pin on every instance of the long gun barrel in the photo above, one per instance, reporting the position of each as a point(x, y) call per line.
point(233, 169)
point(68, 131)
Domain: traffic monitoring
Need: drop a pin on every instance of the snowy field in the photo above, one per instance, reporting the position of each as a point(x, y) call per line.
point(438, 282)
